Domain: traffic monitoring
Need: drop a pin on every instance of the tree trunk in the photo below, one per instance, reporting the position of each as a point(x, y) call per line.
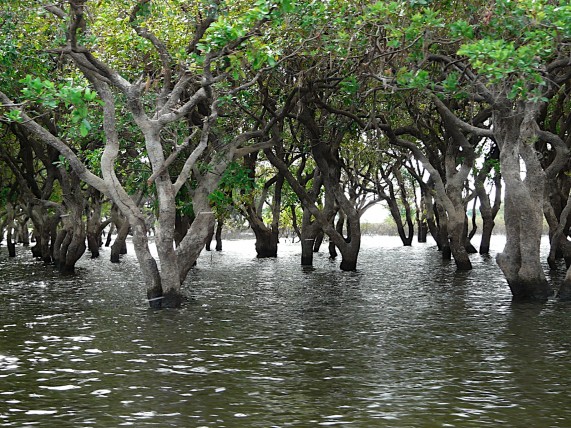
point(334, 191)
point(123, 226)
point(469, 235)
point(93, 224)
point(406, 237)
point(75, 249)
point(110, 234)
point(318, 241)
point(93, 244)
point(148, 265)
point(444, 241)
point(45, 231)
point(350, 252)
point(266, 236)
point(120, 244)
point(309, 232)
point(10, 240)
point(559, 238)
point(36, 249)
point(70, 241)
point(520, 259)
point(422, 231)
point(432, 221)
point(23, 234)
point(218, 235)
point(488, 211)
point(266, 242)
point(339, 229)
point(395, 214)
point(209, 238)
point(58, 243)
point(191, 246)
point(487, 228)
point(457, 235)
point(564, 294)
point(181, 226)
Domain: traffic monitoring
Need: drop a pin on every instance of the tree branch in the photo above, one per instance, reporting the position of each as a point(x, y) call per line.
point(47, 137)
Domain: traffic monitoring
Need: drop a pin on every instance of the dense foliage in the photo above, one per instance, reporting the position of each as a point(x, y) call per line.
point(298, 115)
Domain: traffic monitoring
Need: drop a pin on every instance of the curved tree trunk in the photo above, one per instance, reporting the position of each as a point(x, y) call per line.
point(318, 241)
point(339, 229)
point(94, 228)
point(421, 220)
point(469, 235)
point(23, 233)
point(350, 253)
point(431, 217)
point(488, 211)
point(147, 264)
point(119, 246)
point(45, 230)
point(520, 259)
point(457, 238)
point(559, 238)
point(122, 225)
point(75, 249)
point(36, 249)
point(70, 241)
point(442, 227)
point(564, 294)
point(405, 237)
point(209, 238)
point(218, 234)
point(191, 246)
point(267, 237)
point(112, 229)
point(309, 233)
point(181, 226)
point(332, 189)
point(10, 213)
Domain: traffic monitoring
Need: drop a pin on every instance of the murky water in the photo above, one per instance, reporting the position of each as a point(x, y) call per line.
point(403, 342)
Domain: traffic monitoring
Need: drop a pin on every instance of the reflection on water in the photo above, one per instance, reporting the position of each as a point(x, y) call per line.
point(405, 341)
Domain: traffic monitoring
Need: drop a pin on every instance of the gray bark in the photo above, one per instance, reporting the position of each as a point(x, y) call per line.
point(520, 260)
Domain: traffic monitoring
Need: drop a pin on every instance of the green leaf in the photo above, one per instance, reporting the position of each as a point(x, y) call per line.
point(84, 127)
point(462, 28)
point(14, 116)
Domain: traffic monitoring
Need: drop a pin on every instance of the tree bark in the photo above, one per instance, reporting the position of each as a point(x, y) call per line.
point(209, 238)
point(488, 211)
point(267, 237)
point(520, 259)
point(309, 233)
point(94, 224)
point(218, 234)
point(10, 240)
point(119, 246)
point(195, 240)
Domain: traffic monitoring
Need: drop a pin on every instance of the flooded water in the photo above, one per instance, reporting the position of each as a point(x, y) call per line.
point(403, 342)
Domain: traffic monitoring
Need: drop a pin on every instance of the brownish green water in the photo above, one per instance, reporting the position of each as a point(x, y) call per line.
point(403, 342)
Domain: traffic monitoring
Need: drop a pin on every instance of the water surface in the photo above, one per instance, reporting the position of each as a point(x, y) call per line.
point(403, 342)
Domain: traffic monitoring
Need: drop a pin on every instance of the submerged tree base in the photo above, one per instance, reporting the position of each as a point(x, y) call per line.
point(564, 294)
point(159, 300)
point(172, 299)
point(348, 265)
point(530, 291)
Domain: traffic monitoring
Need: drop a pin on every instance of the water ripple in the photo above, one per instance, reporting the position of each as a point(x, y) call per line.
point(404, 341)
